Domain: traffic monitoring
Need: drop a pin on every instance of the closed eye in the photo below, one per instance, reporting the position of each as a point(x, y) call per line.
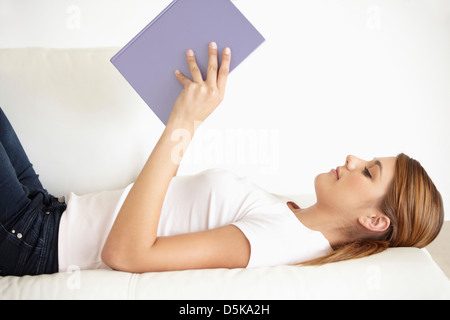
point(367, 172)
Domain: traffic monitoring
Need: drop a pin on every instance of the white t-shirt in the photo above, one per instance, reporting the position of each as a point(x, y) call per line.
point(210, 199)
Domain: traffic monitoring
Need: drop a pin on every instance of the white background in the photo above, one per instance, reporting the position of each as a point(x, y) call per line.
point(334, 77)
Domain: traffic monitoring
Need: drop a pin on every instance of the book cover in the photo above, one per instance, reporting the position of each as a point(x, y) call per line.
point(149, 60)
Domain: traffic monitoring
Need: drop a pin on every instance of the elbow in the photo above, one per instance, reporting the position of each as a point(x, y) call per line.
point(117, 259)
point(126, 259)
point(110, 257)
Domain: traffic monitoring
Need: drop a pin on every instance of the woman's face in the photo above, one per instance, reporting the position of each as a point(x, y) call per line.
point(356, 186)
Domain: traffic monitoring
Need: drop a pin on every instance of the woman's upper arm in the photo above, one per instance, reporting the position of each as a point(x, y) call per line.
point(225, 247)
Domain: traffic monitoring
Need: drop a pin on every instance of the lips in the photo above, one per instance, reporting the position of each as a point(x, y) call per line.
point(336, 172)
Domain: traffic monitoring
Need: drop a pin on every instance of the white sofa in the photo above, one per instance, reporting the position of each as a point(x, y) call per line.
point(67, 106)
point(395, 274)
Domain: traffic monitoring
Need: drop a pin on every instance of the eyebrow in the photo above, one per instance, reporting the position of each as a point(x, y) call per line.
point(378, 163)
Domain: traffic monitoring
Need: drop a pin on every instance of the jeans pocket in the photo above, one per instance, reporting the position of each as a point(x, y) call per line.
point(21, 245)
point(30, 230)
point(13, 253)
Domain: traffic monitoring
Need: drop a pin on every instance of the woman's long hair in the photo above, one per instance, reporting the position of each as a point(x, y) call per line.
point(414, 207)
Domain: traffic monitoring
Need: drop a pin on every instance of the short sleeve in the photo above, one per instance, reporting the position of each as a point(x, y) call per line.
point(279, 238)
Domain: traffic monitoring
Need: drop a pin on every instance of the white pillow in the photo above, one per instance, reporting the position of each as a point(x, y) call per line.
point(82, 125)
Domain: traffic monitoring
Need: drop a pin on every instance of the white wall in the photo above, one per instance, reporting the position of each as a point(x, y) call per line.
point(335, 77)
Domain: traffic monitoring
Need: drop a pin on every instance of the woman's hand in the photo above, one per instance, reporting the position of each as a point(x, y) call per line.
point(200, 98)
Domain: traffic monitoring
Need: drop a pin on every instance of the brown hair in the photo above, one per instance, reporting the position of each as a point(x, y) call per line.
point(414, 207)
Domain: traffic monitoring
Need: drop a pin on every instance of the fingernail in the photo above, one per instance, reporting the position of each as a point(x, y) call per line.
point(177, 72)
point(190, 53)
point(213, 45)
point(227, 50)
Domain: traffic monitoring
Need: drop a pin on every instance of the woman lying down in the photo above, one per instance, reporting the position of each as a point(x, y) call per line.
point(214, 219)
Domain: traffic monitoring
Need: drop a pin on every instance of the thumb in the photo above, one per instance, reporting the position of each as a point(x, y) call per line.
point(181, 78)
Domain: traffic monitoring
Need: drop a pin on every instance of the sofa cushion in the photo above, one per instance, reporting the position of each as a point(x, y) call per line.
point(398, 273)
point(82, 125)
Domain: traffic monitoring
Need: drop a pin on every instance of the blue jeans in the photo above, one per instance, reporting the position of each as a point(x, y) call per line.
point(29, 215)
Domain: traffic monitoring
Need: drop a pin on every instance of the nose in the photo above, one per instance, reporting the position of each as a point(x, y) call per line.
point(351, 162)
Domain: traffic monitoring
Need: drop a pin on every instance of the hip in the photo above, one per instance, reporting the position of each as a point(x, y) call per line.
point(29, 243)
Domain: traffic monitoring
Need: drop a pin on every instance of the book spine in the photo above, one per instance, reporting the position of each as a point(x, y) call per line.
point(143, 30)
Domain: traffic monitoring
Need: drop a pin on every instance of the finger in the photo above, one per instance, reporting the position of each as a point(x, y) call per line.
point(224, 69)
point(211, 75)
point(182, 78)
point(195, 71)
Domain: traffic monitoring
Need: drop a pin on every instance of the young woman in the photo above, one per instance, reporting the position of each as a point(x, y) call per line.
point(214, 219)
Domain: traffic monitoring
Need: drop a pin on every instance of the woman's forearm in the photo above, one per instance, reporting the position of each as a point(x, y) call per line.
point(134, 232)
point(136, 226)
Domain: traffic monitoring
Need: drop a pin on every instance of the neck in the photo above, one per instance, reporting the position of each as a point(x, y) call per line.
point(317, 218)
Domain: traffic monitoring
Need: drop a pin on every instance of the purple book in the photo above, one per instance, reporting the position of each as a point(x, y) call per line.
point(149, 60)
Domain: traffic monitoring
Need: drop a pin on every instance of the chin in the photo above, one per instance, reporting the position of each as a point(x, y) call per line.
point(319, 184)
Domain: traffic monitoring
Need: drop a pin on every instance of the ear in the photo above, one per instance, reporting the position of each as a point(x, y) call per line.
point(377, 222)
